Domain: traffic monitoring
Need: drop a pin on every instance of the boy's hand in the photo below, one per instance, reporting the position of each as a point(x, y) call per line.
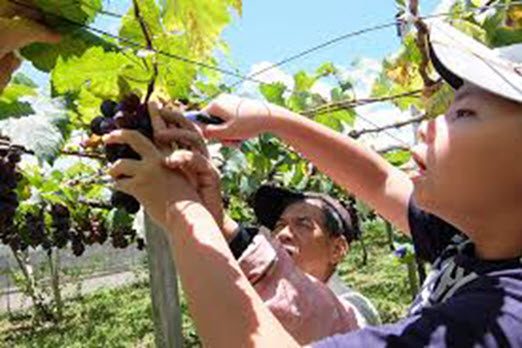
point(148, 180)
point(244, 118)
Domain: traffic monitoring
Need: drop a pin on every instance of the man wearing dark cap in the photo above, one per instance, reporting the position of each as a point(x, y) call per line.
point(316, 231)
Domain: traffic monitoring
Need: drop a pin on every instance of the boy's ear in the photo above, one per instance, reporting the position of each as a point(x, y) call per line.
point(338, 251)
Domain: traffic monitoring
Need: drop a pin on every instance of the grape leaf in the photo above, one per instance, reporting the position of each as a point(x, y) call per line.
point(36, 133)
point(505, 36)
point(11, 104)
point(96, 69)
point(273, 92)
point(202, 21)
point(63, 14)
point(44, 56)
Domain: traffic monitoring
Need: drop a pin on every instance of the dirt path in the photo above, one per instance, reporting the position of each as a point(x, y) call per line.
point(16, 300)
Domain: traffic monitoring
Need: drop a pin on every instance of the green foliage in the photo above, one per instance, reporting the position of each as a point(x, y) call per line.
point(109, 318)
point(44, 56)
point(61, 14)
point(96, 70)
point(10, 103)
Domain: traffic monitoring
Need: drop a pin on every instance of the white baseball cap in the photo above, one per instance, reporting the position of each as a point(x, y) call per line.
point(458, 57)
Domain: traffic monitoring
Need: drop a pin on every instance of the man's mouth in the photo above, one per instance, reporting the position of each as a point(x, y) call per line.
point(290, 249)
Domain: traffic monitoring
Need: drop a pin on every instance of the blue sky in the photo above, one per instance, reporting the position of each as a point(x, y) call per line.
point(270, 30)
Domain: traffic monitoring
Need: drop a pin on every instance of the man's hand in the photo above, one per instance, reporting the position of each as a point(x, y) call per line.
point(18, 32)
point(193, 161)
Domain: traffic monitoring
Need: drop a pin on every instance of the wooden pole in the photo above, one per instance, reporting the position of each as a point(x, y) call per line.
point(164, 288)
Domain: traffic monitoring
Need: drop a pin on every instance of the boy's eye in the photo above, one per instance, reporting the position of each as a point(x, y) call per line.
point(464, 113)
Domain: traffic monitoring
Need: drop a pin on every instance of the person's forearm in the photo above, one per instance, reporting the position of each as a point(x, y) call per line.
point(215, 286)
point(230, 228)
point(359, 170)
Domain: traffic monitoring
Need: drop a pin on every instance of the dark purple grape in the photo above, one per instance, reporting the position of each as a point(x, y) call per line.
point(14, 157)
point(108, 108)
point(130, 103)
point(140, 243)
point(115, 152)
point(125, 121)
point(96, 125)
point(10, 155)
point(125, 201)
point(128, 114)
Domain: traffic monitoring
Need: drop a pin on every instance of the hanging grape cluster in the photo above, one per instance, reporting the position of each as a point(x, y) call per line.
point(130, 113)
point(10, 156)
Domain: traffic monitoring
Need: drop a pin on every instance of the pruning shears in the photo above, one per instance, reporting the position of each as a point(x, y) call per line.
point(202, 117)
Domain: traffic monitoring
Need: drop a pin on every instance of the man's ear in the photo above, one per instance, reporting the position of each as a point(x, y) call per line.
point(339, 249)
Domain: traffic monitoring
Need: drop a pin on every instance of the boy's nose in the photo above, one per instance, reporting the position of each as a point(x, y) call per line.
point(426, 131)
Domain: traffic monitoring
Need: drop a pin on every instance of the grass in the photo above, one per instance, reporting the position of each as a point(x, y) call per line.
point(123, 317)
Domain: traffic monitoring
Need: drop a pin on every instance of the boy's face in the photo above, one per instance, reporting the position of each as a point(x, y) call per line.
point(470, 160)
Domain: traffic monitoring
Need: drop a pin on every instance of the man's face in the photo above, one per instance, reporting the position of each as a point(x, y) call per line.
point(470, 160)
point(301, 230)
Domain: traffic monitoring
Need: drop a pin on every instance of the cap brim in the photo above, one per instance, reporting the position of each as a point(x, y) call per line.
point(457, 57)
point(271, 201)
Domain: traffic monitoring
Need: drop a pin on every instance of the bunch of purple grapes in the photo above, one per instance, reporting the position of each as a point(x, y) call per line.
point(10, 156)
point(61, 225)
point(130, 113)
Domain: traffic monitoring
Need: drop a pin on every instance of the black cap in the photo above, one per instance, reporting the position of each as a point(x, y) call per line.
point(270, 202)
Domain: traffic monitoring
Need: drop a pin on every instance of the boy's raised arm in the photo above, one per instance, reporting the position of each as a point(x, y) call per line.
point(357, 169)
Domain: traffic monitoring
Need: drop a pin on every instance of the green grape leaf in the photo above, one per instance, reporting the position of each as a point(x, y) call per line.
point(505, 36)
point(440, 101)
point(303, 81)
point(131, 28)
point(398, 158)
point(96, 69)
point(44, 56)
point(68, 14)
point(36, 133)
point(326, 69)
point(273, 92)
point(10, 103)
point(203, 21)
point(328, 121)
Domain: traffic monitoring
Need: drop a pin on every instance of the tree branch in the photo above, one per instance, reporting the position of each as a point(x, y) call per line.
point(422, 43)
point(96, 156)
point(349, 104)
point(358, 133)
point(392, 148)
point(150, 46)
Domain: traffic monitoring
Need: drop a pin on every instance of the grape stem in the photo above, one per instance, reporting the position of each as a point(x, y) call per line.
point(150, 47)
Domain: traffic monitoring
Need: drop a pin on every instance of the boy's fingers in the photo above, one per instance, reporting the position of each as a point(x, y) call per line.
point(134, 139)
point(175, 116)
point(124, 168)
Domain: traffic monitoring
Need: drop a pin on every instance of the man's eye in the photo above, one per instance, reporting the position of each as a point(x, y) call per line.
point(464, 113)
point(305, 223)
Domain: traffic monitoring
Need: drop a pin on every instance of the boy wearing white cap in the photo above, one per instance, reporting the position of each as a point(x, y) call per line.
point(462, 209)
